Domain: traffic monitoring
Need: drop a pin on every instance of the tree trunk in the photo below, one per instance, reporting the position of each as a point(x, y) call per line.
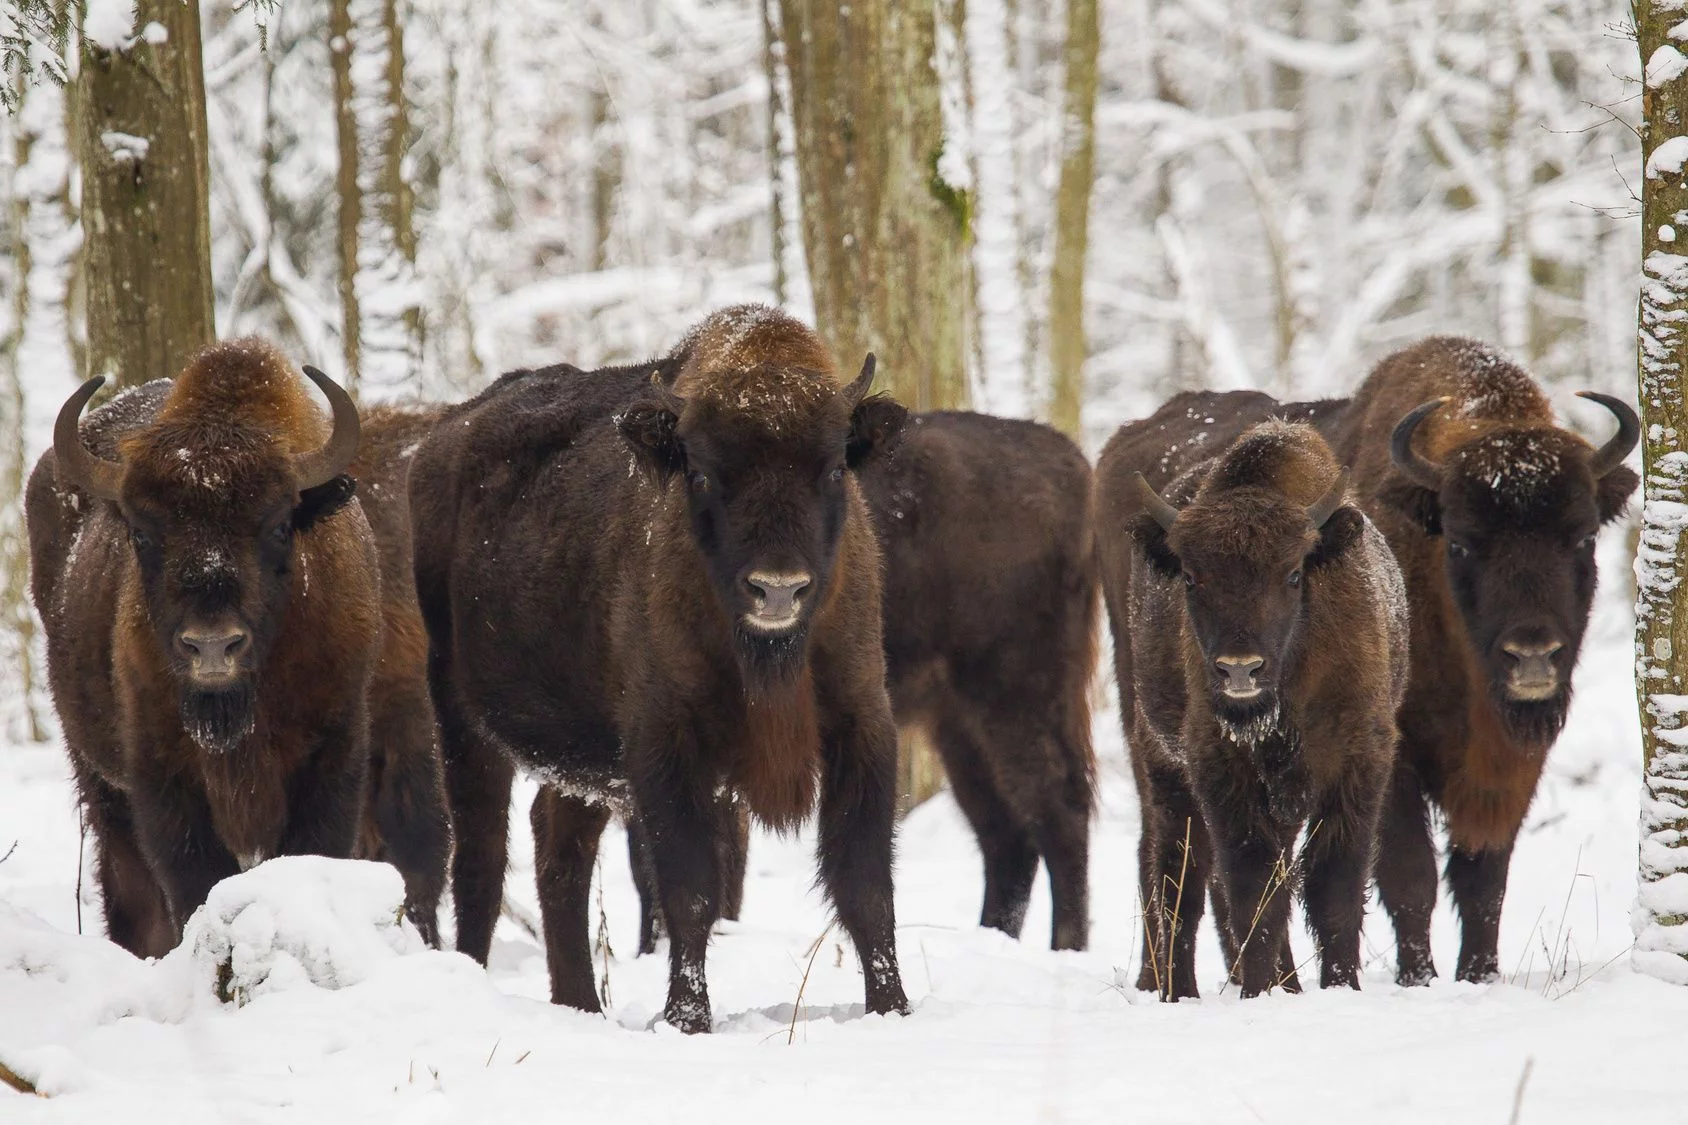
point(1661, 908)
point(381, 312)
point(884, 228)
point(140, 140)
point(1067, 347)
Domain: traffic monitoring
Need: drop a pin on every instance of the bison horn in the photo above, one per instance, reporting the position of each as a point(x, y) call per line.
point(1325, 506)
point(76, 465)
point(1421, 471)
point(313, 469)
point(857, 390)
point(1612, 454)
point(1154, 503)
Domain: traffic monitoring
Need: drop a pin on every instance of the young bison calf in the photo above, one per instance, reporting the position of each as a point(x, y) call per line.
point(1261, 635)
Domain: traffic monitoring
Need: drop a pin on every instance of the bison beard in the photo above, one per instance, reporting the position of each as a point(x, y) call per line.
point(1533, 724)
point(772, 661)
point(219, 721)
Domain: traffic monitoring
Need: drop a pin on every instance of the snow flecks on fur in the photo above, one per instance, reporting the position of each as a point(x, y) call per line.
point(1519, 468)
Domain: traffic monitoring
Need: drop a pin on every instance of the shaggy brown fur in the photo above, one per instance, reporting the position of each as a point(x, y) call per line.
point(185, 784)
point(990, 643)
point(1251, 572)
point(1496, 541)
point(586, 545)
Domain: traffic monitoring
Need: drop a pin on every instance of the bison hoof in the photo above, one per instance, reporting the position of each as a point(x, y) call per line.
point(689, 1015)
point(1415, 976)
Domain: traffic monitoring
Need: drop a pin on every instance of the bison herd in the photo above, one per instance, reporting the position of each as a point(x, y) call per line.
point(714, 586)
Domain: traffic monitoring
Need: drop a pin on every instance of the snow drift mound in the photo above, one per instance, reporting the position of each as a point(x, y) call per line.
point(297, 921)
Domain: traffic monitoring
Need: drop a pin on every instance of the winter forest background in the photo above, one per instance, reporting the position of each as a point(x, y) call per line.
point(1283, 191)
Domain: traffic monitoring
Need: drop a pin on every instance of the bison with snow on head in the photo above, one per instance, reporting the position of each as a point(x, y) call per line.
point(658, 588)
point(1259, 627)
point(212, 604)
point(1492, 510)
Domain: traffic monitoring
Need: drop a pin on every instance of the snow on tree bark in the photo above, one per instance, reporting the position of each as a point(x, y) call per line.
point(380, 299)
point(1661, 627)
point(140, 142)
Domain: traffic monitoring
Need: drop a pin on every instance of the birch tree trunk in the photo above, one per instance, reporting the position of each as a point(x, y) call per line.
point(1067, 347)
point(885, 228)
point(140, 141)
point(1661, 626)
point(381, 312)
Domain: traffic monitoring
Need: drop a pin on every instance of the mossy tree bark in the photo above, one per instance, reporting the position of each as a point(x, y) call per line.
point(140, 141)
point(1661, 627)
point(1067, 345)
point(884, 233)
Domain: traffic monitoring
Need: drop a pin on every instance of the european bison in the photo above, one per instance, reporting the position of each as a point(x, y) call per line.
point(663, 593)
point(1492, 511)
point(1259, 628)
point(212, 603)
point(990, 642)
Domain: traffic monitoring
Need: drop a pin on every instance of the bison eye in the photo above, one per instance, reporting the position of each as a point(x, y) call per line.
point(699, 482)
point(140, 540)
point(1458, 550)
point(836, 475)
point(1189, 579)
point(1295, 577)
point(1586, 543)
point(281, 533)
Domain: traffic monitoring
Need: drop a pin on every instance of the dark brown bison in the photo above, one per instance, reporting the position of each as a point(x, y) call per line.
point(212, 603)
point(407, 824)
point(1259, 631)
point(1492, 511)
point(990, 642)
point(662, 593)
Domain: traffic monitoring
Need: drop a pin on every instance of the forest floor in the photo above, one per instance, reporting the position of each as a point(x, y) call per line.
point(1000, 1030)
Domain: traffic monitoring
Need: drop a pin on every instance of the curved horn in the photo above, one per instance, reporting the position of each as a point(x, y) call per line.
point(857, 390)
point(75, 464)
point(1612, 454)
point(1325, 506)
point(313, 469)
point(1154, 503)
point(1420, 470)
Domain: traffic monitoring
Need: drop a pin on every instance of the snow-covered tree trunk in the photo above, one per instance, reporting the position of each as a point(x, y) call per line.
point(140, 142)
point(1661, 566)
point(380, 300)
point(1067, 347)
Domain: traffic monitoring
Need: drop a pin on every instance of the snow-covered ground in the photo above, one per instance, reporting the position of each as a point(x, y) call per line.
point(1001, 1030)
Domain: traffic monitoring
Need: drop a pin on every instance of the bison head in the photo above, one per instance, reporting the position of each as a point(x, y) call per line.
point(762, 456)
point(1246, 557)
point(1518, 509)
point(212, 507)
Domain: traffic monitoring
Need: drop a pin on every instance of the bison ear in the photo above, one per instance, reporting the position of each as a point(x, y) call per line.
point(1151, 539)
point(1340, 532)
point(324, 500)
point(1612, 492)
point(651, 431)
point(876, 426)
point(1420, 505)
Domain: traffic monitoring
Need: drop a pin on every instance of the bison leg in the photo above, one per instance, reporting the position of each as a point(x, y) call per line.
point(566, 831)
point(1478, 881)
point(1176, 893)
point(325, 802)
point(1061, 831)
point(1009, 855)
point(174, 828)
point(644, 881)
point(408, 807)
point(136, 914)
point(1253, 857)
point(857, 821)
point(1335, 866)
point(478, 780)
point(1406, 876)
point(682, 829)
point(735, 856)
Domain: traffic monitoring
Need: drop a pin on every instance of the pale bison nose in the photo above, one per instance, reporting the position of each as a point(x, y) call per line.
point(777, 594)
point(1240, 672)
point(1532, 665)
point(212, 654)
